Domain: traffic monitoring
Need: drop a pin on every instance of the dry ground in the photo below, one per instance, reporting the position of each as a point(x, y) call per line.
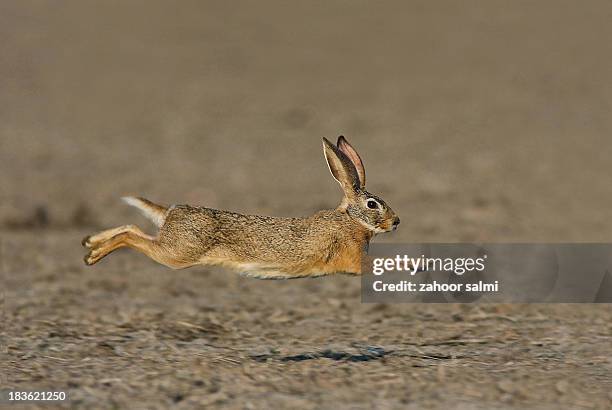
point(477, 121)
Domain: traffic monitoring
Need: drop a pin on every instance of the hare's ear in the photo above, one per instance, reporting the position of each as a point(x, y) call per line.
point(341, 168)
point(352, 154)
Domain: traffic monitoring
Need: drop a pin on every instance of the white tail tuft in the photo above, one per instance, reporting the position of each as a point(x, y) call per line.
point(154, 212)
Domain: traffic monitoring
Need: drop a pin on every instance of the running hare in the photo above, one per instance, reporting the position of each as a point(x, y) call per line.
point(330, 241)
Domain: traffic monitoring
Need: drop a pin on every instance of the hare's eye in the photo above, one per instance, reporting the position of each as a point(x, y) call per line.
point(372, 204)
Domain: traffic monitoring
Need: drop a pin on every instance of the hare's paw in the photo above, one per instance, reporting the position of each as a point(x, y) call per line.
point(93, 241)
point(99, 238)
point(86, 242)
point(94, 256)
point(89, 260)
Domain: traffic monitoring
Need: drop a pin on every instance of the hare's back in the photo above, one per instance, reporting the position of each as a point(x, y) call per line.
point(213, 231)
point(201, 225)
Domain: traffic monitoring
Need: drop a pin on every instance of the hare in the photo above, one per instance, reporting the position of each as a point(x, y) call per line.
point(330, 241)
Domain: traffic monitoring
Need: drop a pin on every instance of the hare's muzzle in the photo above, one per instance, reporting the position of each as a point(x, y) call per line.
point(396, 222)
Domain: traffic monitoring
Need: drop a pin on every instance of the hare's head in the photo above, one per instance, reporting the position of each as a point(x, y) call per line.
point(347, 168)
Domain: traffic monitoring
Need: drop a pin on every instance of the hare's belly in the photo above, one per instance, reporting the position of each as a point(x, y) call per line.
point(246, 268)
point(264, 270)
point(275, 262)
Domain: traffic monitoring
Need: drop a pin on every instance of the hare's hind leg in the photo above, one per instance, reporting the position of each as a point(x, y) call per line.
point(103, 243)
point(132, 237)
point(94, 240)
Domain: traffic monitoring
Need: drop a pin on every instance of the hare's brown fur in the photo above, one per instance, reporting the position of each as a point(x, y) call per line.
point(259, 246)
point(327, 242)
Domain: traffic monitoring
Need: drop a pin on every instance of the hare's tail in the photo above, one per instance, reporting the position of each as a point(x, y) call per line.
point(154, 212)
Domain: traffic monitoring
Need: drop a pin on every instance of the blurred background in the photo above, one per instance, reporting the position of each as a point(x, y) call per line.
point(476, 120)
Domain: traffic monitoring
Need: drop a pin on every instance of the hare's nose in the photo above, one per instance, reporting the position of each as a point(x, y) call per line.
point(396, 221)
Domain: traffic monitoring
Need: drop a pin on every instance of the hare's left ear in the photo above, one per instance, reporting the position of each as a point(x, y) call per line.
point(352, 154)
point(341, 168)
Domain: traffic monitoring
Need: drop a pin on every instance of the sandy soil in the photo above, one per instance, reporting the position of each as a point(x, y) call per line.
point(477, 121)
